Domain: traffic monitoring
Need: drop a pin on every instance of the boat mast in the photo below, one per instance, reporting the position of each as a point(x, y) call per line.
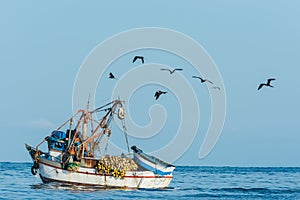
point(86, 120)
point(84, 132)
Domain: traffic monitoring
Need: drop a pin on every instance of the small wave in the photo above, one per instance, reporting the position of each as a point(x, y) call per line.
point(59, 186)
point(258, 190)
point(70, 187)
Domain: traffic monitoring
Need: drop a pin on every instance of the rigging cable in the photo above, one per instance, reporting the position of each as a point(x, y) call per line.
point(125, 133)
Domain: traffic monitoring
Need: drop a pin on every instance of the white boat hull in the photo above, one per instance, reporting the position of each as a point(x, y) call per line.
point(51, 171)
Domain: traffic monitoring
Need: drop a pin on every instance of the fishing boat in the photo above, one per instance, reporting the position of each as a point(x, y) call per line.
point(76, 153)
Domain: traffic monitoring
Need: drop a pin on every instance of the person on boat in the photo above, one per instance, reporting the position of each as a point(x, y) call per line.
point(88, 154)
point(72, 154)
point(77, 141)
point(74, 149)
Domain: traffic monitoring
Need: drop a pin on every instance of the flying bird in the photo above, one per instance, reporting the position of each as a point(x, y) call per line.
point(216, 88)
point(138, 57)
point(266, 84)
point(202, 80)
point(172, 71)
point(158, 93)
point(111, 76)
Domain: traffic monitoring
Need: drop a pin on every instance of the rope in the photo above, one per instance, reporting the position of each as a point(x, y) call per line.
point(37, 147)
point(99, 109)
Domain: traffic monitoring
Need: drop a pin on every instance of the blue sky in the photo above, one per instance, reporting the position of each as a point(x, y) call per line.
point(43, 44)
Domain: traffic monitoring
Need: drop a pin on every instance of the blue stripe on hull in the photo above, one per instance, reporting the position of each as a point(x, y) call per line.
point(156, 171)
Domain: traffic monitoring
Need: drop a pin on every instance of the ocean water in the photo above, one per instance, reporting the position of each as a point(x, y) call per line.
point(17, 182)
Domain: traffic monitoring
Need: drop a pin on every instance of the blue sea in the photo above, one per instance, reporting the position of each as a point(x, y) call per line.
point(17, 182)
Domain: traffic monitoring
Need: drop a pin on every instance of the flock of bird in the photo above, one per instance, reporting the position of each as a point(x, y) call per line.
point(171, 71)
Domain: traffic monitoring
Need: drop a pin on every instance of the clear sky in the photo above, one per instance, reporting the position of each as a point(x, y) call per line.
point(43, 44)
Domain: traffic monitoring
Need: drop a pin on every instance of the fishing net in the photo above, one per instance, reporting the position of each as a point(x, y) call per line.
point(118, 162)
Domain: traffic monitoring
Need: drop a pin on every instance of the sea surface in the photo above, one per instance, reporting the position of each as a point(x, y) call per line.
point(17, 182)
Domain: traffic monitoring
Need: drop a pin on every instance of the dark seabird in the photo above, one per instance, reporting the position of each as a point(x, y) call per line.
point(172, 71)
point(158, 93)
point(111, 76)
point(138, 57)
point(202, 80)
point(266, 84)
